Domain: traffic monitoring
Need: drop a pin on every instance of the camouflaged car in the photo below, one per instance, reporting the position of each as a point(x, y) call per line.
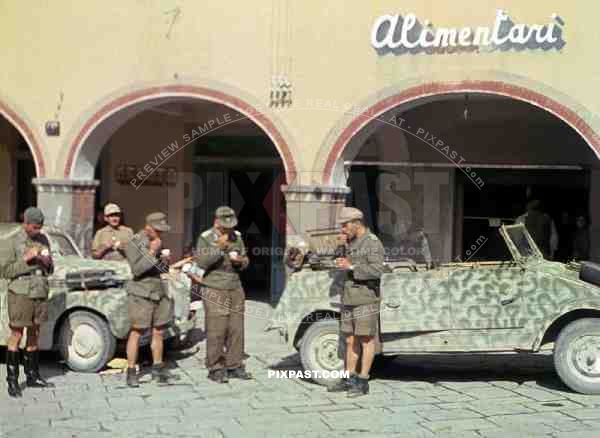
point(525, 304)
point(87, 313)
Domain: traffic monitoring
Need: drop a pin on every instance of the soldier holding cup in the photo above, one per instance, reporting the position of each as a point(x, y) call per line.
point(26, 262)
point(109, 242)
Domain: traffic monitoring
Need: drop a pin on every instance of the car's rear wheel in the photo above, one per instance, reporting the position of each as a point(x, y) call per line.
point(320, 350)
point(577, 355)
point(85, 342)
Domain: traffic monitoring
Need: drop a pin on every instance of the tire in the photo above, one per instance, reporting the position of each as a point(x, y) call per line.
point(577, 355)
point(320, 350)
point(85, 342)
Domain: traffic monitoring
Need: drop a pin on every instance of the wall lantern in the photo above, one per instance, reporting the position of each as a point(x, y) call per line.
point(53, 128)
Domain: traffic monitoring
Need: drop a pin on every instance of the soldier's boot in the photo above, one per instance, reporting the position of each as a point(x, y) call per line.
point(31, 363)
point(219, 376)
point(239, 373)
point(161, 374)
point(132, 378)
point(12, 373)
point(343, 385)
point(361, 387)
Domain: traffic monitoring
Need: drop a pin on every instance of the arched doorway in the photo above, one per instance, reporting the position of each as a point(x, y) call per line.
point(20, 162)
point(185, 151)
point(459, 162)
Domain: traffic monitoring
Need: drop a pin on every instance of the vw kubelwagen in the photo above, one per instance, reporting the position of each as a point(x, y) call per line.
point(523, 305)
point(87, 314)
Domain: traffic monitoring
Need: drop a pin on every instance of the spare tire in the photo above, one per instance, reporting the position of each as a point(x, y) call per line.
point(590, 273)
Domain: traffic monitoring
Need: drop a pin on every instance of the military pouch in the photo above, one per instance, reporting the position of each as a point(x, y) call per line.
point(358, 295)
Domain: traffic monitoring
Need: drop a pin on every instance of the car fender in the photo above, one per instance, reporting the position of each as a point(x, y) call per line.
point(109, 303)
point(586, 304)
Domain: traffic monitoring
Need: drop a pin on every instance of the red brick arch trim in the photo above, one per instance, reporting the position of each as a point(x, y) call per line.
point(430, 89)
point(185, 91)
point(34, 145)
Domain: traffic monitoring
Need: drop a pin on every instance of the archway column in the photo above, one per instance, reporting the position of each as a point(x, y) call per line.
point(310, 207)
point(69, 204)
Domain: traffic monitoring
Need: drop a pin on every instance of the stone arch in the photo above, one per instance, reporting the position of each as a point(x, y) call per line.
point(329, 162)
point(24, 128)
point(85, 147)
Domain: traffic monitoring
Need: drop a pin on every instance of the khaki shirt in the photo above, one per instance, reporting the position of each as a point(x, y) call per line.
point(122, 234)
point(29, 279)
point(146, 269)
point(366, 256)
point(220, 273)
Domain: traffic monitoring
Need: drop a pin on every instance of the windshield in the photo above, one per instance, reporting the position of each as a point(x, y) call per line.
point(61, 246)
point(522, 242)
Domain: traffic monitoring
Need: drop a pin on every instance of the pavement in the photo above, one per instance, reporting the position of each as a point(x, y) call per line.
point(417, 396)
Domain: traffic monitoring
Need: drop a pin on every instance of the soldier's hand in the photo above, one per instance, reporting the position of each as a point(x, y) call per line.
point(237, 258)
point(342, 263)
point(342, 239)
point(30, 254)
point(155, 245)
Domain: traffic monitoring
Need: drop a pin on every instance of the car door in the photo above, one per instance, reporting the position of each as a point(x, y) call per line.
point(487, 297)
point(415, 301)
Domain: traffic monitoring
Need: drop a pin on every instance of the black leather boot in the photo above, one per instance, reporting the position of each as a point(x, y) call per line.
point(361, 387)
point(219, 376)
point(31, 363)
point(239, 373)
point(343, 385)
point(12, 373)
point(132, 378)
point(162, 375)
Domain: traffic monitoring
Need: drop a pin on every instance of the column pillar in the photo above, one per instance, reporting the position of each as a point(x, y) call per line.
point(311, 207)
point(69, 204)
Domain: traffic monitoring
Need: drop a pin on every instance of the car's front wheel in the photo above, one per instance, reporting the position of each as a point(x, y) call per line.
point(320, 351)
point(85, 342)
point(577, 355)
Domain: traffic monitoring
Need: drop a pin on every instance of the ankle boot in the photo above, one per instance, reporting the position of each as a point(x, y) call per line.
point(12, 373)
point(31, 363)
point(132, 378)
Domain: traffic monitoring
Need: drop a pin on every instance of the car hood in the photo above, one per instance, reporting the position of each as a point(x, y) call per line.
point(66, 264)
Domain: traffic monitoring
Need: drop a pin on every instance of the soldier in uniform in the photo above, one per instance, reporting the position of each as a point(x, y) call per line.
point(26, 262)
point(221, 253)
point(109, 242)
point(364, 265)
point(148, 303)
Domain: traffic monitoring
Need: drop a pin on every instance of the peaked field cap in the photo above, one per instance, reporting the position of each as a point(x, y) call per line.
point(111, 209)
point(33, 216)
point(158, 221)
point(226, 216)
point(348, 214)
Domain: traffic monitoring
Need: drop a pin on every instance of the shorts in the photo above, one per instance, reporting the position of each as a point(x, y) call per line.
point(145, 313)
point(360, 320)
point(26, 312)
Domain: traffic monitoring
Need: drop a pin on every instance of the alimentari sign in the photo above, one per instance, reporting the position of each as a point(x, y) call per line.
point(406, 34)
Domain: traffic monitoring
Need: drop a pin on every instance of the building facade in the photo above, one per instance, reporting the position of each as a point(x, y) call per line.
point(445, 118)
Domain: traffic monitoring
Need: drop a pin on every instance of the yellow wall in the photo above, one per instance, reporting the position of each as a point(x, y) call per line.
point(95, 51)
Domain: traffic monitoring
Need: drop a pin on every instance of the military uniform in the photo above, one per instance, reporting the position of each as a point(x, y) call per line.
point(28, 282)
point(223, 297)
point(148, 303)
point(360, 299)
point(121, 234)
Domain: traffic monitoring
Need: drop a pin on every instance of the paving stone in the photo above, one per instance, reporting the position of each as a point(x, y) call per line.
point(146, 413)
point(321, 408)
point(578, 434)
point(571, 426)
point(583, 413)
point(129, 403)
point(89, 424)
point(282, 426)
point(450, 414)
point(129, 427)
point(556, 405)
point(458, 425)
point(584, 399)
point(535, 418)
point(454, 397)
point(488, 392)
point(205, 428)
point(538, 394)
point(505, 408)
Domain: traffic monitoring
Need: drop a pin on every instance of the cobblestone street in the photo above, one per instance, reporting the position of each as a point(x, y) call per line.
point(417, 396)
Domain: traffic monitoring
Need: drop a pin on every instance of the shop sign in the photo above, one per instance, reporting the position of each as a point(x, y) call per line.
point(406, 34)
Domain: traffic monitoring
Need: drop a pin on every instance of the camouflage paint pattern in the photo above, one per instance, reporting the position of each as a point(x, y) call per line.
point(111, 302)
point(454, 307)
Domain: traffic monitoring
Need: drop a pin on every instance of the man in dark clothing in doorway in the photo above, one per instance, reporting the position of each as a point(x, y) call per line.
point(540, 226)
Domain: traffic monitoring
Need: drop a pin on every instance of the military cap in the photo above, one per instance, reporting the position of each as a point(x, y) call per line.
point(33, 216)
point(111, 209)
point(158, 221)
point(226, 216)
point(348, 214)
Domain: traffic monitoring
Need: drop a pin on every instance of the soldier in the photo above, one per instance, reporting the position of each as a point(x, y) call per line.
point(26, 262)
point(109, 242)
point(148, 303)
point(364, 264)
point(221, 253)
